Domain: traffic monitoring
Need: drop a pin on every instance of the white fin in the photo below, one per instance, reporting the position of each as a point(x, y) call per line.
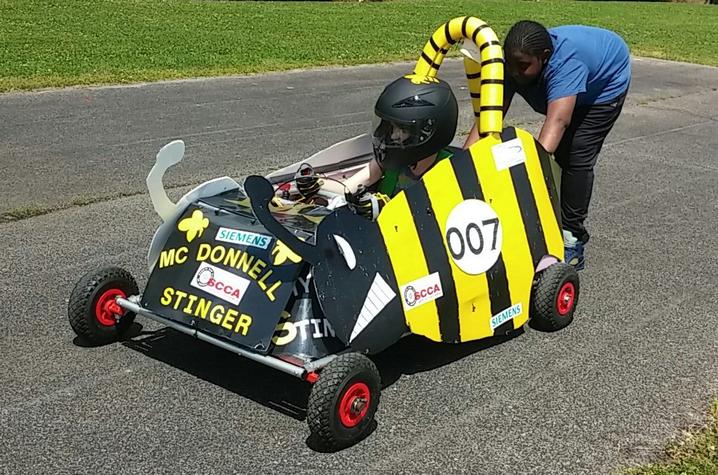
point(168, 155)
point(346, 250)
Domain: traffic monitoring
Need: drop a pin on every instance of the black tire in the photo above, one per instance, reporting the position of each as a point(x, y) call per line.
point(82, 308)
point(348, 374)
point(558, 281)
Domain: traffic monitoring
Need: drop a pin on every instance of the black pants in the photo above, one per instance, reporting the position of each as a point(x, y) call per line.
point(577, 154)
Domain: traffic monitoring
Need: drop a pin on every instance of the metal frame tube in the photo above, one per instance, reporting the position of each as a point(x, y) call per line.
point(270, 361)
point(320, 363)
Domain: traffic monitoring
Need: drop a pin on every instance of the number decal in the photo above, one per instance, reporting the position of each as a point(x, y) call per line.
point(473, 236)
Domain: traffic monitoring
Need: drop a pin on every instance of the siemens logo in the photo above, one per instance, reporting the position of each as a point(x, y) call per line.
point(505, 315)
point(246, 238)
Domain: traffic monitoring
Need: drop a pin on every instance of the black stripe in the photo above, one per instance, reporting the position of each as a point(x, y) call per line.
point(429, 60)
point(463, 27)
point(499, 294)
point(550, 183)
point(492, 81)
point(477, 114)
point(492, 108)
point(492, 61)
point(436, 47)
point(433, 44)
point(386, 270)
point(476, 33)
point(475, 95)
point(447, 32)
point(466, 175)
point(489, 43)
point(473, 75)
point(437, 260)
point(527, 205)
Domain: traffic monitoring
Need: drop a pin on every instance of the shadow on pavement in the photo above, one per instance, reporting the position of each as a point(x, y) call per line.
point(415, 354)
point(266, 386)
point(279, 391)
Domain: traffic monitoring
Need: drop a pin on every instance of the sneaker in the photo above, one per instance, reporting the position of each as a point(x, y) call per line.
point(573, 255)
point(573, 250)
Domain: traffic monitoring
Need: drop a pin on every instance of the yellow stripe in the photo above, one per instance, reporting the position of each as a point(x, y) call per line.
point(552, 233)
point(491, 94)
point(472, 67)
point(437, 60)
point(499, 193)
point(455, 28)
point(433, 55)
point(493, 51)
point(408, 261)
point(472, 291)
point(472, 25)
point(488, 121)
point(423, 68)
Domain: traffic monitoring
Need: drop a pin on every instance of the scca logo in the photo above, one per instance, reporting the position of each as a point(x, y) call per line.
point(421, 291)
point(205, 278)
point(220, 283)
point(411, 295)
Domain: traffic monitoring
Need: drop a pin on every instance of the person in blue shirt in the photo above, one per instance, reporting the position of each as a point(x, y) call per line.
point(578, 77)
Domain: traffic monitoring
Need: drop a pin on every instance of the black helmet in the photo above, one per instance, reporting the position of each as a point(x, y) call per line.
point(415, 118)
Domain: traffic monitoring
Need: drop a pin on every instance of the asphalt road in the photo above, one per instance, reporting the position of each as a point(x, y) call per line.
point(638, 364)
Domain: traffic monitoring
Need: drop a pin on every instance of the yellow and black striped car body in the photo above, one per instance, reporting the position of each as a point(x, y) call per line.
point(454, 256)
point(411, 270)
point(415, 232)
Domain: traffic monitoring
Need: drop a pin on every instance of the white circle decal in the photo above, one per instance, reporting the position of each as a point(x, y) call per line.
point(473, 236)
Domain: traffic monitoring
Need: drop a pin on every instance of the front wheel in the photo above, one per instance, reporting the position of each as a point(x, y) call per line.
point(344, 400)
point(93, 313)
point(555, 296)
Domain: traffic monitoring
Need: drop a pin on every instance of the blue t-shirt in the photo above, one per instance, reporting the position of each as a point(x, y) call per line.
point(591, 63)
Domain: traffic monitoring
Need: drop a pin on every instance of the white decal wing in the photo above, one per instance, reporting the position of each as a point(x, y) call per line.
point(379, 295)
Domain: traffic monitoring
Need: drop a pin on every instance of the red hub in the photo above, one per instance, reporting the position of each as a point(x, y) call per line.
point(106, 308)
point(566, 299)
point(354, 404)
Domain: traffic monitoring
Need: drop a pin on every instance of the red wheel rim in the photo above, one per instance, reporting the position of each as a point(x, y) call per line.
point(566, 298)
point(354, 404)
point(106, 307)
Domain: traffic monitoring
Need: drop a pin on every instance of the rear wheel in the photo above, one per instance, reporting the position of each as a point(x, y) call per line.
point(344, 400)
point(92, 310)
point(555, 296)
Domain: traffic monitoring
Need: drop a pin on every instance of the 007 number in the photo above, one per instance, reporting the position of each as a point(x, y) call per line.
point(471, 238)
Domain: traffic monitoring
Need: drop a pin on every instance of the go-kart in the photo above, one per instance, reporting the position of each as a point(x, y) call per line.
point(309, 287)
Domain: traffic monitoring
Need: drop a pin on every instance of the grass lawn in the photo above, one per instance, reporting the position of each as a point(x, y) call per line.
point(696, 454)
point(68, 42)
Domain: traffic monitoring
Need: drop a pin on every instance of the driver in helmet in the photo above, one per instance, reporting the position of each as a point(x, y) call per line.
point(415, 121)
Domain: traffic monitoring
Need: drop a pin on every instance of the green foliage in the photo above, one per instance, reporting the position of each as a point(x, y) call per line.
point(22, 213)
point(695, 454)
point(66, 42)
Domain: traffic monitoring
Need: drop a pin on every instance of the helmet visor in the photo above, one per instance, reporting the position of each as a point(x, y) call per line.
point(402, 135)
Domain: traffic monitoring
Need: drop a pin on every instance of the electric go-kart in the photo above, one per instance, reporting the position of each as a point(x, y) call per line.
point(473, 249)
